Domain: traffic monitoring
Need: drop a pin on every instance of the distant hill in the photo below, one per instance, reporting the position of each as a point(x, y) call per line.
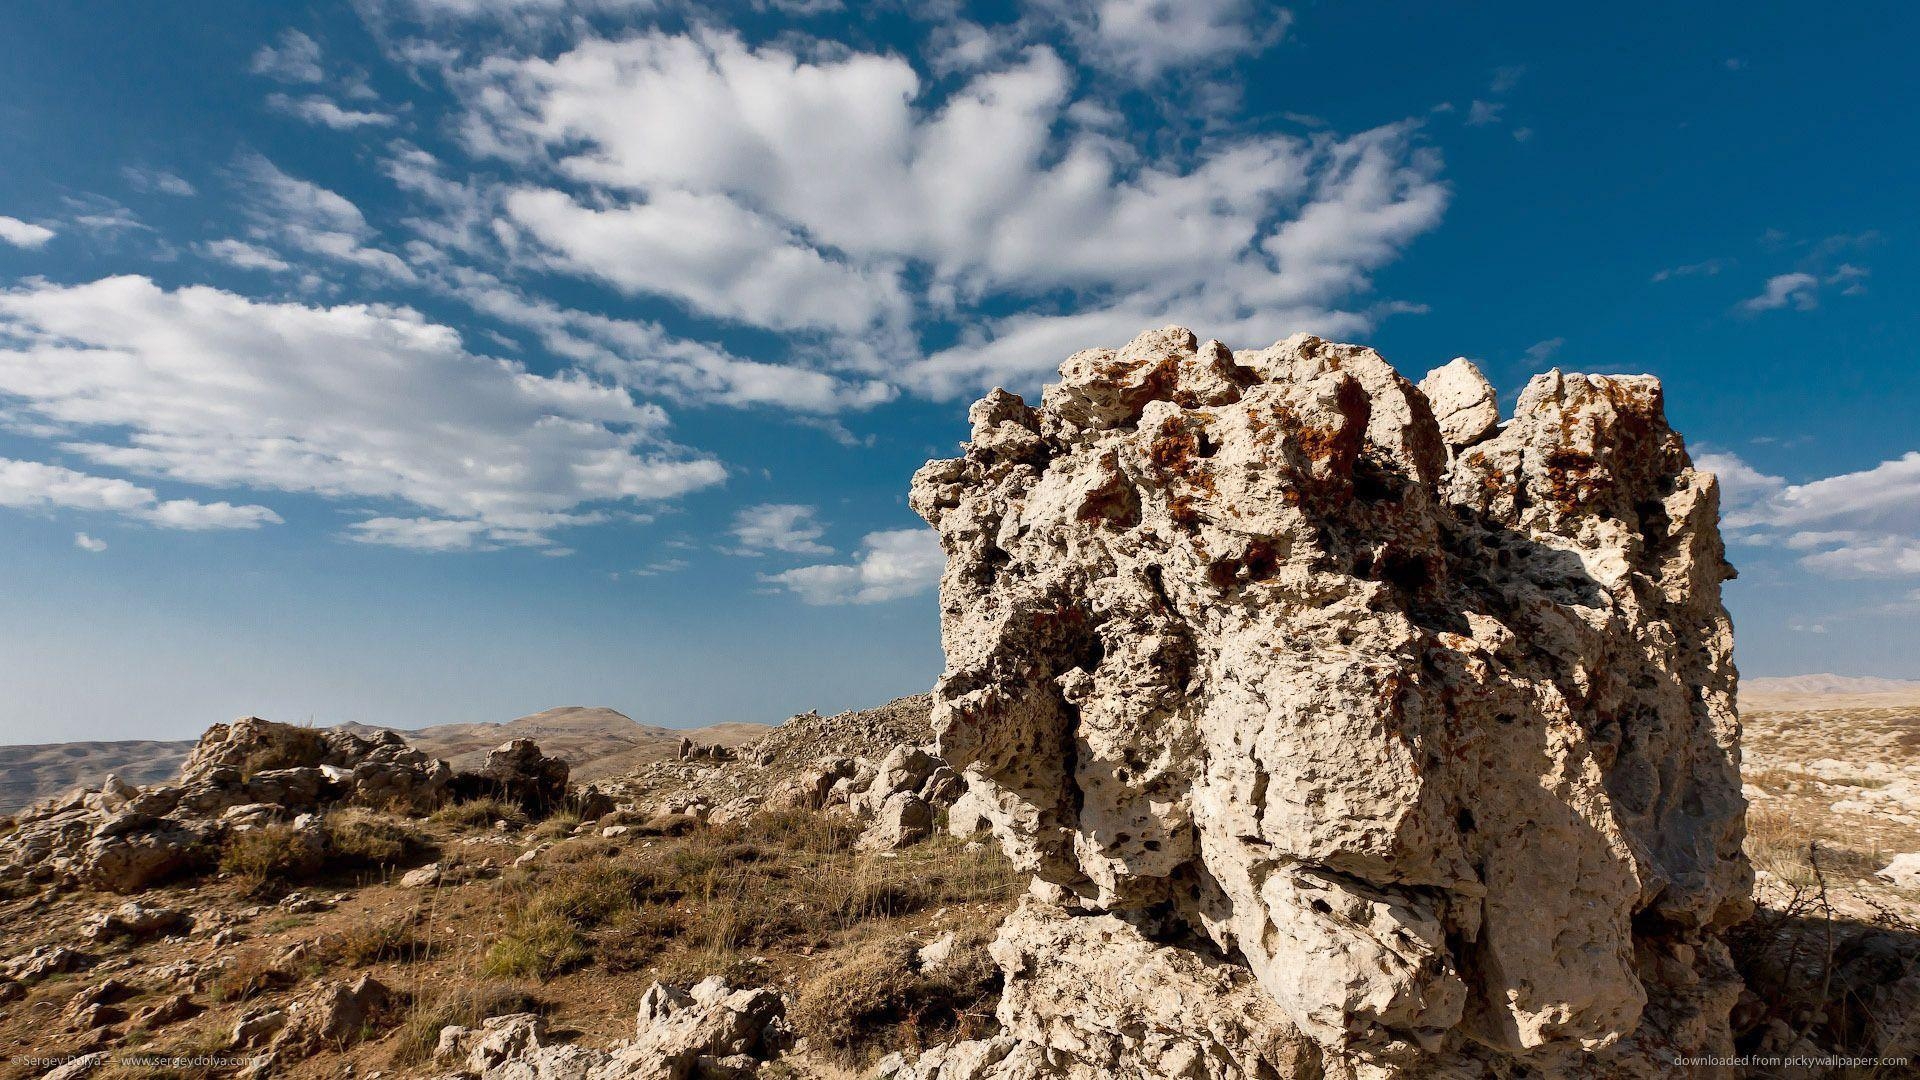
point(598, 743)
point(1827, 691)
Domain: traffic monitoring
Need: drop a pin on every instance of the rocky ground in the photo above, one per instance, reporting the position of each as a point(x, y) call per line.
point(478, 911)
point(796, 919)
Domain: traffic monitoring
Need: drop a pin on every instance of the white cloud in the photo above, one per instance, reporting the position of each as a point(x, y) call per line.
point(1542, 351)
point(1802, 290)
point(1858, 524)
point(305, 216)
point(23, 234)
point(33, 485)
point(352, 402)
point(1798, 289)
point(658, 568)
point(889, 566)
point(643, 356)
point(844, 168)
point(779, 527)
point(316, 109)
point(1484, 113)
point(1146, 39)
point(166, 183)
point(88, 543)
point(295, 60)
point(1706, 268)
point(239, 253)
point(711, 253)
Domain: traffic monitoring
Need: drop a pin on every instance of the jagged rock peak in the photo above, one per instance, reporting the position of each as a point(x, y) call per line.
point(1421, 721)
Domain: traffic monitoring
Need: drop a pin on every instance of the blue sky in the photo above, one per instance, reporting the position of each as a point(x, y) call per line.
point(414, 361)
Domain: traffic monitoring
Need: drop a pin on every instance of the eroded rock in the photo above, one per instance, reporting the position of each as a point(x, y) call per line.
point(1424, 727)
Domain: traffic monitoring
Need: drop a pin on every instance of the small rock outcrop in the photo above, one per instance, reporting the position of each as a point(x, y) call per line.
point(1392, 738)
point(877, 766)
point(517, 772)
point(241, 776)
point(709, 1030)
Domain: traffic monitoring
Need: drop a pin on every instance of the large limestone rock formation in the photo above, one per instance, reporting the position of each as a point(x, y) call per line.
point(1411, 731)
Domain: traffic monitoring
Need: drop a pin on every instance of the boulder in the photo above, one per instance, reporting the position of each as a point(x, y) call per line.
point(1425, 726)
point(337, 1014)
point(135, 921)
point(517, 772)
point(1902, 870)
point(904, 819)
point(424, 877)
point(44, 960)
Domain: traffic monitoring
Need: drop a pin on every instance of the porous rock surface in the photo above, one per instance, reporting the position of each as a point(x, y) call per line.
point(1408, 731)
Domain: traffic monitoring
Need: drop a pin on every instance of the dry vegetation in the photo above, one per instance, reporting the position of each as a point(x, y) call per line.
point(576, 933)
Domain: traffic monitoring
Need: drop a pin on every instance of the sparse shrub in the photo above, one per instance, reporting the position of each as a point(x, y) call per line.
point(379, 940)
point(299, 747)
point(359, 837)
point(537, 944)
point(558, 827)
point(479, 813)
point(251, 973)
point(265, 859)
point(877, 1002)
point(465, 1004)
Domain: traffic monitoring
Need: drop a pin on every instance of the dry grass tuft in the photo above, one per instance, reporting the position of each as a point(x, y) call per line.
point(877, 1002)
point(464, 1003)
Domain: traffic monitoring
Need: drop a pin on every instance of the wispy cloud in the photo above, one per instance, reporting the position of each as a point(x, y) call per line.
point(786, 527)
point(318, 109)
point(157, 180)
point(295, 59)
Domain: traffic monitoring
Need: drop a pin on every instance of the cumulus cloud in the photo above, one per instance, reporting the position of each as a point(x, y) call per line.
point(88, 543)
point(779, 527)
point(845, 171)
point(358, 401)
point(23, 234)
point(889, 566)
point(711, 253)
point(1146, 39)
point(1858, 524)
point(34, 485)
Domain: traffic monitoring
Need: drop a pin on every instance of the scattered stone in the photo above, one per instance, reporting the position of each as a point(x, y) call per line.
point(45, 960)
point(256, 1027)
point(169, 1010)
point(1903, 871)
point(136, 922)
point(80, 1067)
point(425, 877)
point(904, 819)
